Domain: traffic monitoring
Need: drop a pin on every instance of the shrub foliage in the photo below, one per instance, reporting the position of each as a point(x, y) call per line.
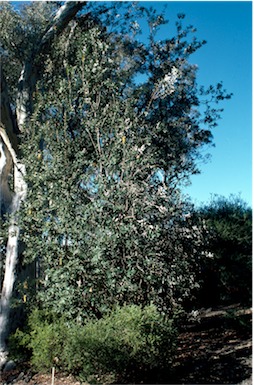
point(128, 339)
point(227, 274)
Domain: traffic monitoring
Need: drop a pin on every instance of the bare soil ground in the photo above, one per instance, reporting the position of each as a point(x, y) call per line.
point(214, 347)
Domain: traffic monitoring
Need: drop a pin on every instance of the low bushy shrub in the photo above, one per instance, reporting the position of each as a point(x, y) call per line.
point(42, 339)
point(128, 339)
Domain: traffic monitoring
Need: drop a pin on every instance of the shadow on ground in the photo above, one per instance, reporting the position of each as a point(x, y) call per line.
point(214, 348)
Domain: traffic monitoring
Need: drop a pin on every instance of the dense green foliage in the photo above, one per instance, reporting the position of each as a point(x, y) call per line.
point(106, 157)
point(227, 274)
point(129, 339)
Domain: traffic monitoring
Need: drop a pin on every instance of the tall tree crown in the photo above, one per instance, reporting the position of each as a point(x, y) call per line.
point(106, 154)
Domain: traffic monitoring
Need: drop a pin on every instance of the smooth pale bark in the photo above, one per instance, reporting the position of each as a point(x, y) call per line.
point(11, 199)
point(10, 203)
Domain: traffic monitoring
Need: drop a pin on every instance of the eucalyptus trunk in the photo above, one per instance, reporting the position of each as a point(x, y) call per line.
point(10, 201)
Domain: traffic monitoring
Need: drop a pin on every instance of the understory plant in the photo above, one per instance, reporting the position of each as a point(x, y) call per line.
point(127, 340)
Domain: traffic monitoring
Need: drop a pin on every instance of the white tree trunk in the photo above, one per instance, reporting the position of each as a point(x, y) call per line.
point(11, 201)
point(7, 288)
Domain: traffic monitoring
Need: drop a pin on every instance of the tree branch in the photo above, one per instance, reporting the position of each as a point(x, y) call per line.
point(6, 115)
point(63, 16)
point(28, 76)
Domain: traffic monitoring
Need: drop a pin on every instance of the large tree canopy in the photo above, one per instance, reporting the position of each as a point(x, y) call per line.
point(100, 155)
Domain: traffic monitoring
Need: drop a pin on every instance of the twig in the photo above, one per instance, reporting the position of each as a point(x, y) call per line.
point(53, 376)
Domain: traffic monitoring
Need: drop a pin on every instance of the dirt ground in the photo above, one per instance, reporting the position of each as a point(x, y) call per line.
point(214, 347)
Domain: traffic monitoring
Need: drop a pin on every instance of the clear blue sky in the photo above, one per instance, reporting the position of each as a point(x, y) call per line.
point(227, 56)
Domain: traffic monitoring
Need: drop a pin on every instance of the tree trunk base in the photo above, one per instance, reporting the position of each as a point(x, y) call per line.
point(3, 359)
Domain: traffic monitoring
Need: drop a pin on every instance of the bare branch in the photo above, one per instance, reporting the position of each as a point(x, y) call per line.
point(63, 16)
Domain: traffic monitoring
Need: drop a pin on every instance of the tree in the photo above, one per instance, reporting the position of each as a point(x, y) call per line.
point(104, 155)
point(25, 57)
point(227, 274)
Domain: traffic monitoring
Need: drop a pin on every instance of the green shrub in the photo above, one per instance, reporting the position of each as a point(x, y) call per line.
point(43, 339)
point(128, 339)
point(227, 275)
